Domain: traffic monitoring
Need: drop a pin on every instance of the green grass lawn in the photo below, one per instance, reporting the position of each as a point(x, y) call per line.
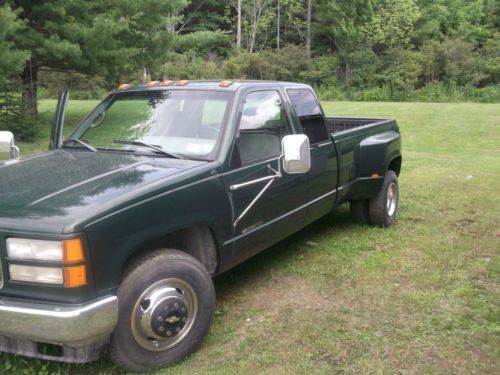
point(420, 297)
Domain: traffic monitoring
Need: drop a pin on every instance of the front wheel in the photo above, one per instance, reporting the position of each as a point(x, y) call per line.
point(166, 303)
point(384, 207)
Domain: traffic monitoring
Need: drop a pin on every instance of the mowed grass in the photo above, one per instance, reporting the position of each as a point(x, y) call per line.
point(422, 297)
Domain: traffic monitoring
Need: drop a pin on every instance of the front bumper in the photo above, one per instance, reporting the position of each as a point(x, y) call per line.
point(25, 323)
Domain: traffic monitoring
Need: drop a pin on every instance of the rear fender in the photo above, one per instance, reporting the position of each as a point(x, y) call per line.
point(377, 151)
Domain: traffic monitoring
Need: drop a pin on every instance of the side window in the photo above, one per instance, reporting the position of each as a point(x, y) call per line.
point(262, 126)
point(309, 113)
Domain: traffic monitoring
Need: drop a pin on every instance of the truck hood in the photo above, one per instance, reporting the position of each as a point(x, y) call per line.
point(44, 192)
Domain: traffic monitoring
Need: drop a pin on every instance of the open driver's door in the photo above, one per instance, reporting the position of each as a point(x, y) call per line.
point(56, 134)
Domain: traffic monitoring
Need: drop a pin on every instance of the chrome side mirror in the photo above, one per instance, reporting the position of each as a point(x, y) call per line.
point(8, 149)
point(296, 154)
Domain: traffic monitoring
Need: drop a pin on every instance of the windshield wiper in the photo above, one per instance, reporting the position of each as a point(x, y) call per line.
point(147, 145)
point(76, 140)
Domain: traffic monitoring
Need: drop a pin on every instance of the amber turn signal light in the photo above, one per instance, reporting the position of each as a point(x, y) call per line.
point(73, 250)
point(75, 276)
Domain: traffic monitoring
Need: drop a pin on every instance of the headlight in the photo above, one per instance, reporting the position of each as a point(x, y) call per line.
point(69, 255)
point(52, 251)
point(18, 248)
point(45, 275)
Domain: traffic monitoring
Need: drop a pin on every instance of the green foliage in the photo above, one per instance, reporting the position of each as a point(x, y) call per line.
point(80, 86)
point(340, 22)
point(13, 114)
point(463, 64)
point(402, 69)
point(490, 55)
point(472, 20)
point(203, 43)
point(11, 58)
point(94, 37)
point(392, 24)
point(287, 64)
point(189, 66)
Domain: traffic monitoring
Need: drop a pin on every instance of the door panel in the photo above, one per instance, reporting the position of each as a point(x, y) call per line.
point(268, 220)
point(256, 156)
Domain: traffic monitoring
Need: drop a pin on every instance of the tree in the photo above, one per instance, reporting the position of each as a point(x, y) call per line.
point(392, 25)
point(258, 17)
point(339, 23)
point(302, 25)
point(471, 20)
point(237, 6)
point(278, 24)
point(463, 64)
point(111, 38)
point(11, 59)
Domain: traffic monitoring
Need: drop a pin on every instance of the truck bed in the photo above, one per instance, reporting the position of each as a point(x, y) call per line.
point(340, 124)
point(348, 134)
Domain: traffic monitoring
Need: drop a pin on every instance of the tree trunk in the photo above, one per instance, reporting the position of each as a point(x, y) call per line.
point(255, 21)
point(308, 35)
point(347, 73)
point(29, 78)
point(238, 28)
point(278, 26)
point(253, 36)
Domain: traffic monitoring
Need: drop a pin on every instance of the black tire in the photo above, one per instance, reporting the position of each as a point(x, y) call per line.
point(360, 211)
point(382, 212)
point(183, 280)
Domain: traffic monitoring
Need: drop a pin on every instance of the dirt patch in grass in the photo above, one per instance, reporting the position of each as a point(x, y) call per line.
point(271, 298)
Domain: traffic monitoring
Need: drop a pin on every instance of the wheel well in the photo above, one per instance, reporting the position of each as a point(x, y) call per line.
point(395, 165)
point(196, 240)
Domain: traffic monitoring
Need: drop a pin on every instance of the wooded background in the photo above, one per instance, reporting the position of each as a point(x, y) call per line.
point(393, 50)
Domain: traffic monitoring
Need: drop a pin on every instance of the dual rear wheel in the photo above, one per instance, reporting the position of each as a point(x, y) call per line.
point(382, 209)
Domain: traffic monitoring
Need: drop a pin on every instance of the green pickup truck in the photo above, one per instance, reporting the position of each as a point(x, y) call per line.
point(109, 241)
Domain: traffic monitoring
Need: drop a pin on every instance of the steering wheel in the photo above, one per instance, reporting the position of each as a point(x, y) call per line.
point(209, 131)
point(98, 120)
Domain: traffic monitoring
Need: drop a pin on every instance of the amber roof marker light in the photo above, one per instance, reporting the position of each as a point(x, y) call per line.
point(182, 82)
point(151, 83)
point(124, 86)
point(225, 83)
point(166, 83)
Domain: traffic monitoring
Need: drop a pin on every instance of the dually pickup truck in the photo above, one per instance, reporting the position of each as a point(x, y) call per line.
point(109, 241)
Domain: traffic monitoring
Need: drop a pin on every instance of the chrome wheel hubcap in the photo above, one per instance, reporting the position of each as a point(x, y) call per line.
point(164, 314)
point(392, 199)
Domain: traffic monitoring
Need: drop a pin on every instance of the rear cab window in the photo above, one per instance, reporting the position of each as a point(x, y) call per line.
point(309, 114)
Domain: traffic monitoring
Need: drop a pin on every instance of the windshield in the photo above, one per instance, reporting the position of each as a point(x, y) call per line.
point(178, 122)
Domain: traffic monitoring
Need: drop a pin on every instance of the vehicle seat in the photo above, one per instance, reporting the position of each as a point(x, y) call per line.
point(253, 145)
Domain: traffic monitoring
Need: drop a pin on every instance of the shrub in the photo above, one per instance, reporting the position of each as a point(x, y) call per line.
point(14, 115)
